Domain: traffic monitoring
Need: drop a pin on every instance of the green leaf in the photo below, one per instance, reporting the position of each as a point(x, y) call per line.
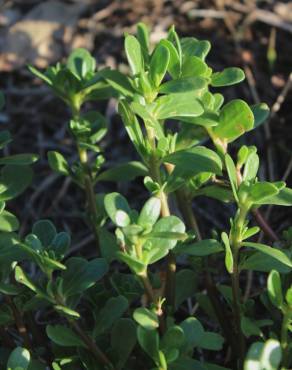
point(19, 359)
point(61, 244)
point(117, 209)
point(45, 231)
point(146, 318)
point(249, 327)
point(262, 190)
point(134, 54)
point(289, 296)
point(40, 75)
point(143, 38)
point(275, 289)
point(193, 331)
point(108, 245)
point(235, 119)
point(261, 112)
point(8, 222)
point(211, 341)
point(149, 341)
point(195, 160)
point(19, 159)
point(148, 118)
point(5, 138)
point(177, 105)
point(150, 212)
point(264, 263)
point(228, 253)
point(283, 198)
point(229, 76)
point(217, 192)
point(81, 274)
point(166, 225)
point(132, 126)
point(174, 39)
point(174, 59)
point(242, 155)
point(193, 47)
point(207, 119)
point(183, 85)
point(113, 309)
point(22, 278)
point(173, 338)
point(250, 232)
point(14, 180)
point(118, 81)
point(123, 340)
point(58, 163)
point(67, 312)
point(186, 285)
point(159, 64)
point(201, 248)
point(81, 63)
point(273, 252)
point(124, 172)
point(193, 66)
point(251, 167)
point(64, 336)
point(134, 264)
point(231, 170)
point(265, 355)
point(218, 101)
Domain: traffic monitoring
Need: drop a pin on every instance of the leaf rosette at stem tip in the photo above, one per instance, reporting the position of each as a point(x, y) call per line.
point(76, 81)
point(143, 237)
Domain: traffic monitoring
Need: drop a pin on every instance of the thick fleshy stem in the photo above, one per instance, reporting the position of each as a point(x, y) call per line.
point(91, 345)
point(88, 184)
point(285, 336)
point(154, 169)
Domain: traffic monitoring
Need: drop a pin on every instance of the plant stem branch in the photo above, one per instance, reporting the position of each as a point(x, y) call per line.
point(235, 241)
point(284, 337)
point(6, 339)
point(21, 327)
point(88, 184)
point(264, 225)
point(236, 309)
point(92, 346)
point(90, 195)
point(154, 168)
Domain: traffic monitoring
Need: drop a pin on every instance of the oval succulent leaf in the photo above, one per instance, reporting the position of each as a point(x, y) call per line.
point(262, 190)
point(235, 119)
point(183, 85)
point(177, 105)
point(193, 47)
point(64, 336)
point(265, 355)
point(19, 359)
point(150, 212)
point(261, 112)
point(195, 160)
point(273, 252)
point(117, 209)
point(159, 64)
point(19, 159)
point(134, 54)
point(229, 76)
point(80, 63)
point(275, 289)
point(201, 248)
point(146, 318)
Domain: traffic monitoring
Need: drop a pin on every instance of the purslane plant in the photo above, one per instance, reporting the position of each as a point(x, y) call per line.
point(134, 315)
